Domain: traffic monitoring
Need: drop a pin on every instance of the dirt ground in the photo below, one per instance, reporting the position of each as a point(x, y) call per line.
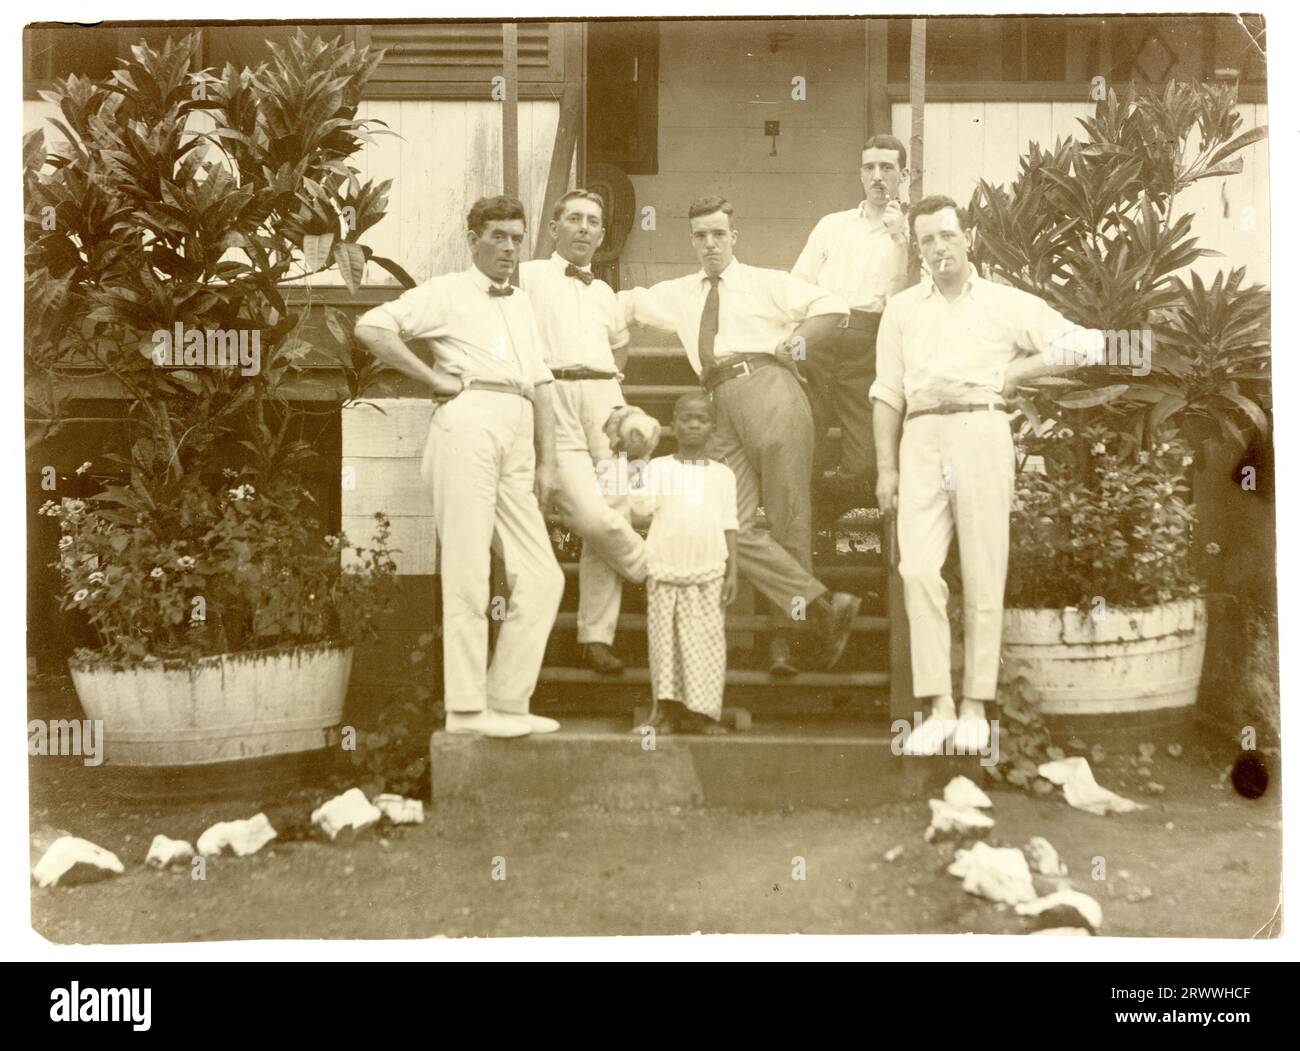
point(1202, 861)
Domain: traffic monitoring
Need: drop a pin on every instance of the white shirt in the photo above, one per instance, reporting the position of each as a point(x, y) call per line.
point(757, 309)
point(474, 335)
point(930, 351)
point(581, 324)
point(694, 504)
point(853, 255)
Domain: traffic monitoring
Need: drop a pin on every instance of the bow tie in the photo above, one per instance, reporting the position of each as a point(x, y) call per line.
point(585, 276)
point(495, 290)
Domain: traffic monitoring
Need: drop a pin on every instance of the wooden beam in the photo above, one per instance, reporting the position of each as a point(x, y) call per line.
point(880, 119)
point(557, 181)
point(916, 97)
point(510, 109)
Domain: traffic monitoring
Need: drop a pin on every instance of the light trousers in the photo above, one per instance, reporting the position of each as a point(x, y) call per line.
point(956, 473)
point(479, 461)
point(764, 433)
point(594, 502)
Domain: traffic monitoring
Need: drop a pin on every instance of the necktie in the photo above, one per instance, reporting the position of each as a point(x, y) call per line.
point(585, 276)
point(709, 326)
point(499, 290)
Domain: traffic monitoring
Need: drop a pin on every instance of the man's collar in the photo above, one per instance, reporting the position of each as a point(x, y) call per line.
point(973, 280)
point(731, 268)
point(481, 280)
point(866, 216)
point(564, 264)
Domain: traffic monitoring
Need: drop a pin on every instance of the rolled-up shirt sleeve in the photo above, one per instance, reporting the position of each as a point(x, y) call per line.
point(888, 386)
point(1042, 329)
point(651, 306)
point(418, 313)
point(799, 299)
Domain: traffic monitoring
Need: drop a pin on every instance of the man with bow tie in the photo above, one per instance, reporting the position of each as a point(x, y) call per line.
point(742, 326)
point(586, 337)
point(490, 462)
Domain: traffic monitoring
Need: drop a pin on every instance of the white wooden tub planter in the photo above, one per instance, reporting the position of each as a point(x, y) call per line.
point(229, 706)
point(1129, 662)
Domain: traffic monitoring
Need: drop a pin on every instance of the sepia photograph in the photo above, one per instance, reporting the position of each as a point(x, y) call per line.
point(650, 475)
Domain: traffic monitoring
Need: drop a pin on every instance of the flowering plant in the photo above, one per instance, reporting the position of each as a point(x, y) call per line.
point(1093, 525)
point(214, 568)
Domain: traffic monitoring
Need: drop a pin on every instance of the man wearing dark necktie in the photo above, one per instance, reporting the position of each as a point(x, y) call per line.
point(741, 326)
point(586, 338)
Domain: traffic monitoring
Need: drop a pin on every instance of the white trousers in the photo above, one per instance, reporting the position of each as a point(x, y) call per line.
point(594, 501)
point(479, 461)
point(957, 473)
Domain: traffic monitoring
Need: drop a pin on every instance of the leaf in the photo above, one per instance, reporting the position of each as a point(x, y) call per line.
point(316, 251)
point(1089, 398)
point(352, 264)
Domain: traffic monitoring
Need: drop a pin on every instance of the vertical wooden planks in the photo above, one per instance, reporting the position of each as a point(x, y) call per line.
point(966, 137)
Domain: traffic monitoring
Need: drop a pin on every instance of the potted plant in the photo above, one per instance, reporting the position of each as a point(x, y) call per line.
point(1104, 611)
point(161, 233)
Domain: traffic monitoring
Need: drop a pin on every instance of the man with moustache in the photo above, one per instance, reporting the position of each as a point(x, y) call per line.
point(861, 256)
point(490, 461)
point(741, 327)
point(951, 354)
point(586, 338)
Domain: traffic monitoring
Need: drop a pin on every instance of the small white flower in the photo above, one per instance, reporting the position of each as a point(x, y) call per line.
point(97, 577)
point(1099, 449)
point(1065, 432)
point(229, 472)
point(65, 542)
point(74, 507)
point(1212, 548)
point(81, 595)
point(1187, 461)
point(243, 492)
point(185, 562)
point(1164, 447)
point(1144, 457)
point(84, 468)
point(156, 572)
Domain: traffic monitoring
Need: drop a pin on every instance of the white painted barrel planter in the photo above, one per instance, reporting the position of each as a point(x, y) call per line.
point(1130, 661)
point(216, 709)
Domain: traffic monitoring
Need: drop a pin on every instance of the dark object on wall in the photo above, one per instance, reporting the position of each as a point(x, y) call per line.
point(619, 195)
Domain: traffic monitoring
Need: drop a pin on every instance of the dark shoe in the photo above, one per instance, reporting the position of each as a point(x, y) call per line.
point(839, 625)
point(781, 664)
point(600, 658)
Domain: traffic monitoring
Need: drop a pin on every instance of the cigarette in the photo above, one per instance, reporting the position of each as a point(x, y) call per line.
point(943, 266)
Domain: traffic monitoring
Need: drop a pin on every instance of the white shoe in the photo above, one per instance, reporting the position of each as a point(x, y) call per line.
point(538, 724)
point(971, 737)
point(929, 737)
point(486, 724)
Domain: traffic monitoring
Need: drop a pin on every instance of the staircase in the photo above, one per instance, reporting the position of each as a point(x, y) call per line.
point(849, 555)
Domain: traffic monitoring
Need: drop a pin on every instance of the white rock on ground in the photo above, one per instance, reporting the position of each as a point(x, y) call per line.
point(998, 873)
point(1081, 788)
point(350, 810)
point(243, 837)
point(1043, 858)
point(1065, 908)
point(164, 852)
point(953, 822)
point(70, 859)
point(399, 810)
point(962, 791)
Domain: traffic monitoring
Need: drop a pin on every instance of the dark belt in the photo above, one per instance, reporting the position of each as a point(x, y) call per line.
point(729, 370)
point(861, 319)
point(950, 409)
point(581, 372)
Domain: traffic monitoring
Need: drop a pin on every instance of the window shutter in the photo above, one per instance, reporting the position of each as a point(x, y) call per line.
point(460, 59)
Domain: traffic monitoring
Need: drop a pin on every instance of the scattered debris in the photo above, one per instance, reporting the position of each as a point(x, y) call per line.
point(1175, 750)
point(1081, 788)
point(243, 837)
point(1147, 752)
point(894, 853)
point(955, 822)
point(997, 873)
point(71, 860)
point(350, 810)
point(1065, 908)
point(963, 792)
point(1155, 788)
point(1043, 858)
point(399, 810)
point(1098, 754)
point(164, 852)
